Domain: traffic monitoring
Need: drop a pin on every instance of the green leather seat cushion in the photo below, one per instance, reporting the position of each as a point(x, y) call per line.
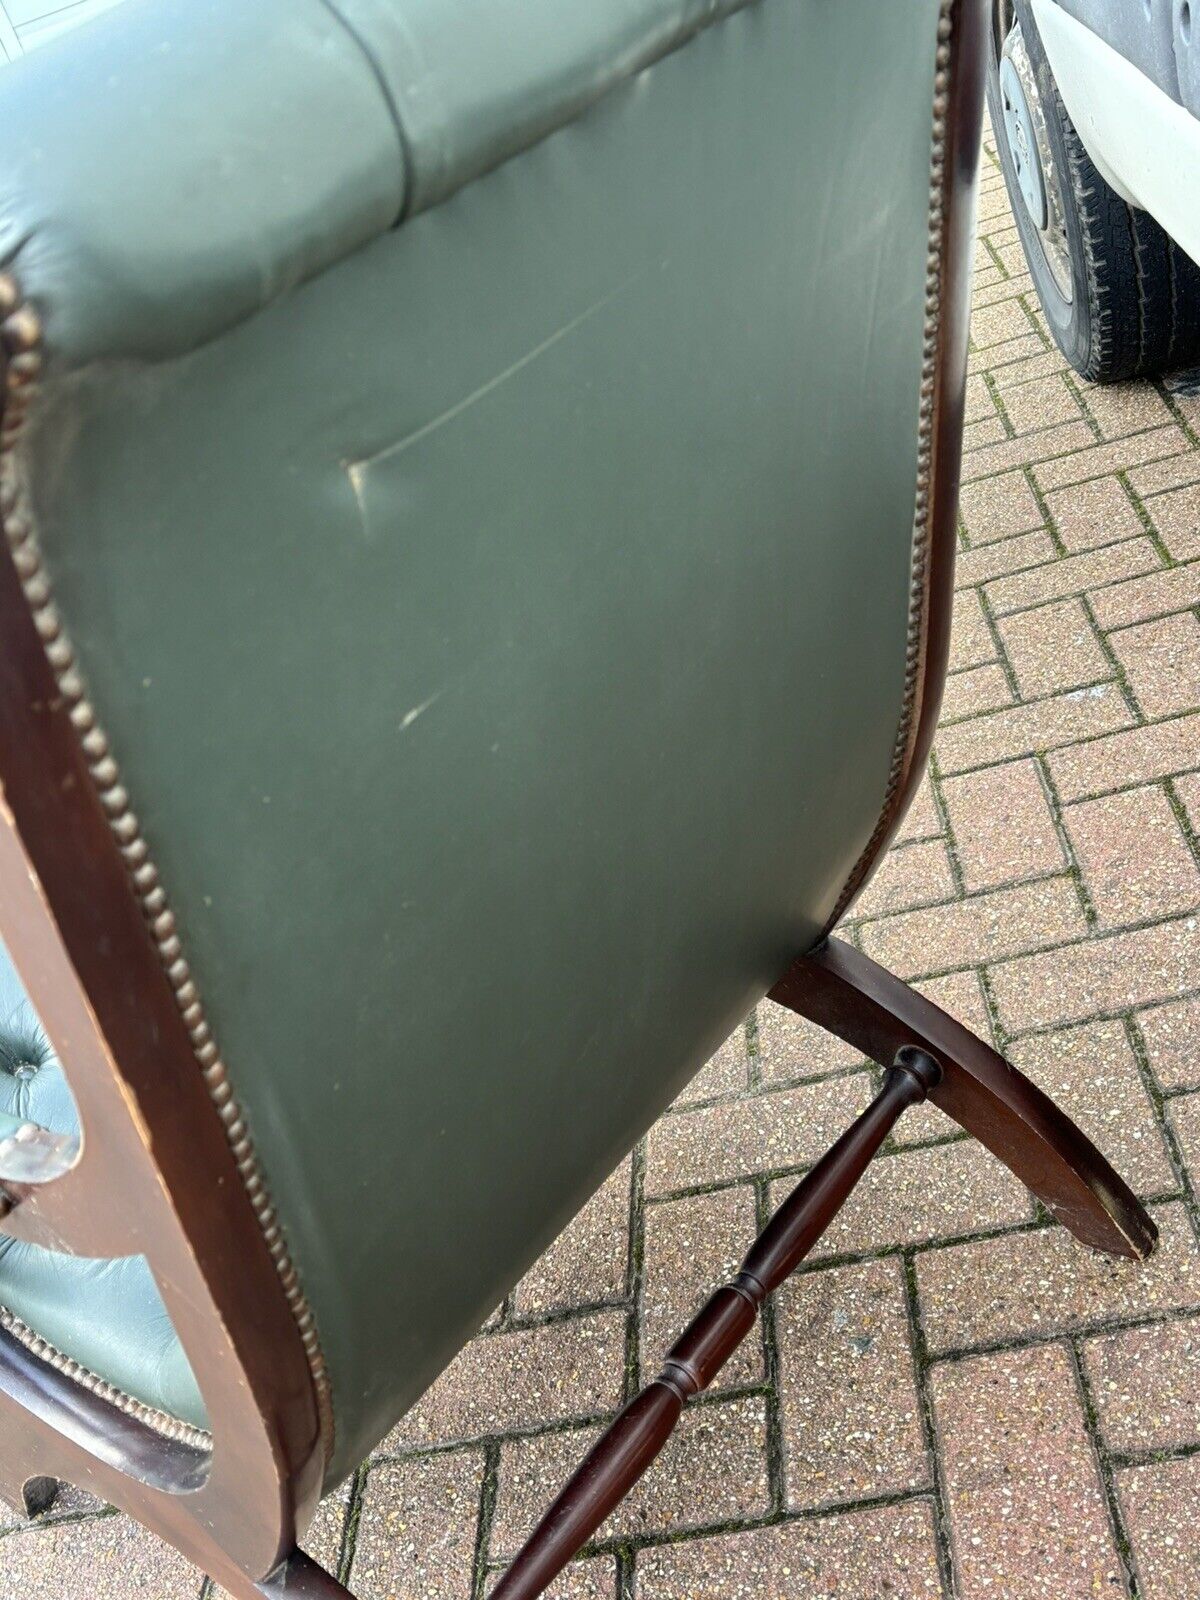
point(107, 1315)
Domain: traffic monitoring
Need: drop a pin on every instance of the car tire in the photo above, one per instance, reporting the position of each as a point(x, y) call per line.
point(1121, 299)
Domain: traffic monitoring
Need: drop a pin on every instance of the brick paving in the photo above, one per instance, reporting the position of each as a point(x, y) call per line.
point(952, 1399)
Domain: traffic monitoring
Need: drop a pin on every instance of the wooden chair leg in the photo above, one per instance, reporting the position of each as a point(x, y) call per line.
point(632, 1442)
point(928, 1054)
point(299, 1578)
point(864, 1004)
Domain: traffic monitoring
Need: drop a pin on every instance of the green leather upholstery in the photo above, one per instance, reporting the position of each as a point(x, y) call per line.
point(500, 618)
point(281, 156)
point(375, 109)
point(107, 1315)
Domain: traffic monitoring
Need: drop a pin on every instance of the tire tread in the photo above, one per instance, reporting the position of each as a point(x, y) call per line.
point(1143, 292)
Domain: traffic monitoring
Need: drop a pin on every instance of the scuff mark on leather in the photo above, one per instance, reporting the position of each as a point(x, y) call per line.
point(356, 470)
point(409, 717)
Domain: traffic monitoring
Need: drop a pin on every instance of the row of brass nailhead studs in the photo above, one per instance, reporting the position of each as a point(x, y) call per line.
point(914, 642)
point(161, 1421)
point(20, 336)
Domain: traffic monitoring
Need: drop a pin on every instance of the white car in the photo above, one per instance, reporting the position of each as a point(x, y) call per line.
point(1095, 106)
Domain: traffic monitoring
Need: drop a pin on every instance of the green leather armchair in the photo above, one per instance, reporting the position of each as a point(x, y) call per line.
point(407, 407)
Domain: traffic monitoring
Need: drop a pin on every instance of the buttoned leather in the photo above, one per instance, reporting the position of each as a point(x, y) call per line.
point(500, 618)
point(106, 1315)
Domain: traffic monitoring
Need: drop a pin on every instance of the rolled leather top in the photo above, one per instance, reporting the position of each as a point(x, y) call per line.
point(173, 165)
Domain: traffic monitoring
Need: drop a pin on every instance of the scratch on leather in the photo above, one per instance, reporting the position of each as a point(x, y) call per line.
point(356, 471)
point(409, 717)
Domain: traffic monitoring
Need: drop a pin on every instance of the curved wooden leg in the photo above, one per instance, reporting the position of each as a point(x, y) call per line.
point(878, 1014)
point(928, 1054)
point(299, 1578)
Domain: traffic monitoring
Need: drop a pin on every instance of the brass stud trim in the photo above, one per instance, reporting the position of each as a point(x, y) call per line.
point(21, 347)
point(923, 503)
point(160, 1421)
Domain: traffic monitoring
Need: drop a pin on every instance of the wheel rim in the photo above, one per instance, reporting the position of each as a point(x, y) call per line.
point(1029, 146)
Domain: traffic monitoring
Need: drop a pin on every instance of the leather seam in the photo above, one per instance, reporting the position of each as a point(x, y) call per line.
point(711, 16)
point(915, 639)
point(21, 341)
point(407, 168)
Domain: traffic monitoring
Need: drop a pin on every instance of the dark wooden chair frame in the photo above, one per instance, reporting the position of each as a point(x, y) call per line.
point(161, 1171)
